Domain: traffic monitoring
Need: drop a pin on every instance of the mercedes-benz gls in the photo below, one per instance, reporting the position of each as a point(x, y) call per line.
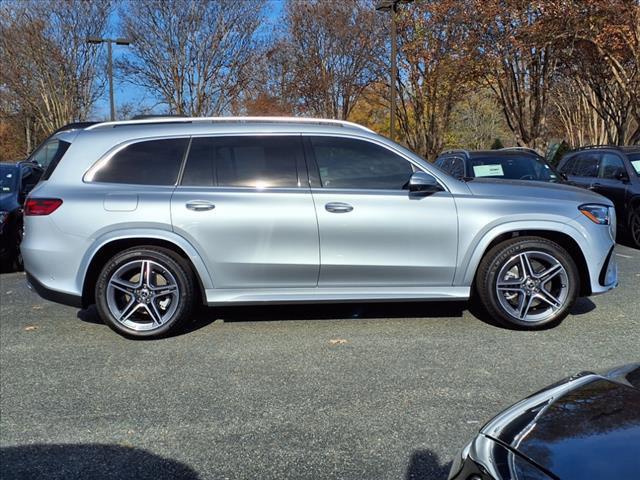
point(147, 218)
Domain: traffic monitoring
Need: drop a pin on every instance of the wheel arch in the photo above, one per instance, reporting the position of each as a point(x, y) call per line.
point(105, 249)
point(562, 238)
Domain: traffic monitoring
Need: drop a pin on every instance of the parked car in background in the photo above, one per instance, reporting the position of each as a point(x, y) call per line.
point(147, 218)
point(584, 427)
point(507, 164)
point(16, 181)
point(613, 172)
point(47, 150)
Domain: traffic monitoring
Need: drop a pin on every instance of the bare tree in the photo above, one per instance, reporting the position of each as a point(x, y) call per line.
point(334, 47)
point(477, 122)
point(572, 102)
point(46, 65)
point(433, 73)
point(521, 54)
point(192, 54)
point(608, 33)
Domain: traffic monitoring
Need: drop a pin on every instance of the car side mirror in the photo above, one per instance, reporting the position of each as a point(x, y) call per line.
point(421, 182)
point(622, 176)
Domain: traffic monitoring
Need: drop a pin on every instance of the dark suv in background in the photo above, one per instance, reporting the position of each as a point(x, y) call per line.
point(613, 172)
point(507, 164)
point(16, 181)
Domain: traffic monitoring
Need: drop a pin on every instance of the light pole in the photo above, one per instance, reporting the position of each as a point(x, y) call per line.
point(392, 7)
point(109, 41)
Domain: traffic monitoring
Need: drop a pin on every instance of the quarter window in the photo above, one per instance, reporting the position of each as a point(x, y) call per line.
point(153, 162)
point(50, 155)
point(258, 162)
point(350, 163)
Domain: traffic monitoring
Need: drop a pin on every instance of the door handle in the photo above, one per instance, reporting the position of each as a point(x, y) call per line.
point(595, 186)
point(338, 207)
point(200, 205)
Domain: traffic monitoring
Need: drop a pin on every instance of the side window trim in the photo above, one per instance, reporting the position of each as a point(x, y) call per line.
point(183, 164)
point(313, 164)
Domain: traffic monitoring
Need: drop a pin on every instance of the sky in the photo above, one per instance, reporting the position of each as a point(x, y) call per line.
point(125, 92)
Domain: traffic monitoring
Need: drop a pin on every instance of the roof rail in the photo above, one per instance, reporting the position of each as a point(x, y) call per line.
point(160, 120)
point(588, 147)
point(525, 149)
point(455, 150)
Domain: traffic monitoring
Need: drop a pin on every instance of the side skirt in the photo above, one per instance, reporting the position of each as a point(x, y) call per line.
point(334, 295)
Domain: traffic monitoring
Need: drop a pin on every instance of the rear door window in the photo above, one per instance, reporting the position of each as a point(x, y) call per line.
point(152, 162)
point(244, 161)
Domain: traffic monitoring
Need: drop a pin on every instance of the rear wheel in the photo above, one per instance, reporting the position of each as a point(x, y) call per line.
point(528, 282)
point(145, 292)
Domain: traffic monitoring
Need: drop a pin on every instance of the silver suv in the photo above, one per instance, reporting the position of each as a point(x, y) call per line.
point(147, 218)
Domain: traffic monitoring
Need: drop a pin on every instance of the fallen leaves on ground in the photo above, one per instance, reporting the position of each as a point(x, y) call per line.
point(30, 328)
point(337, 341)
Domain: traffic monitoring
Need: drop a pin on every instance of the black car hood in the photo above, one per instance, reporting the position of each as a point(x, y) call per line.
point(8, 202)
point(584, 428)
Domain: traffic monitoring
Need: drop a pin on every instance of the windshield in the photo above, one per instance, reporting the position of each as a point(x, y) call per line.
point(635, 162)
point(8, 178)
point(525, 167)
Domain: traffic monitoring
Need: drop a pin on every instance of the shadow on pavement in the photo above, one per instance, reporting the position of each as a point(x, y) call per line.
point(204, 316)
point(338, 310)
point(582, 306)
point(94, 461)
point(424, 465)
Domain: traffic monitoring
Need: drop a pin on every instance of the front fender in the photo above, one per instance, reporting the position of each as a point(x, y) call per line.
point(468, 265)
point(145, 233)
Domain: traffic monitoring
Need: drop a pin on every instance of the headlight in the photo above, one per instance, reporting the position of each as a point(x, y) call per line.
point(596, 213)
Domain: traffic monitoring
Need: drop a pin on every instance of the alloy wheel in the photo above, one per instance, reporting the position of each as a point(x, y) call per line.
point(142, 295)
point(532, 286)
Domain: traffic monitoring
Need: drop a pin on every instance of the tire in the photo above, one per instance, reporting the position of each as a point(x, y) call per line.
point(634, 226)
point(138, 308)
point(541, 297)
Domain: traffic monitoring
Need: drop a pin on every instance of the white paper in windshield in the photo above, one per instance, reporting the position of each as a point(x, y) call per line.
point(488, 171)
point(636, 165)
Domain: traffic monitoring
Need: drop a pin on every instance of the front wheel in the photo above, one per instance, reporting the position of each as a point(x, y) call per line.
point(145, 292)
point(528, 282)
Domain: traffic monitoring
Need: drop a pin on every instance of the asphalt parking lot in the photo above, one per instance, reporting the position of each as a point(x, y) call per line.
point(378, 391)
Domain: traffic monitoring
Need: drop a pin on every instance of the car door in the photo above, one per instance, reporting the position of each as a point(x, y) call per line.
point(244, 203)
point(373, 232)
point(581, 169)
point(613, 180)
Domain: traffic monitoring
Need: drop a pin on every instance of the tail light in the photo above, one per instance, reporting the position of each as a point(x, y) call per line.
point(41, 206)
